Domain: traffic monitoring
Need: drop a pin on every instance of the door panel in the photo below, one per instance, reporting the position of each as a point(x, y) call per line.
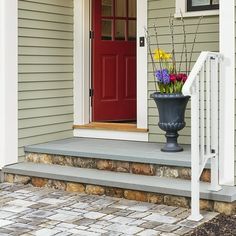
point(109, 83)
point(114, 60)
point(130, 77)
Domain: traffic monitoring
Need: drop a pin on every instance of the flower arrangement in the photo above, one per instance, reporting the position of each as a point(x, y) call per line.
point(166, 76)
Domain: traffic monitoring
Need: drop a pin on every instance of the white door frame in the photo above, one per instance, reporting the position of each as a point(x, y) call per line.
point(8, 82)
point(82, 74)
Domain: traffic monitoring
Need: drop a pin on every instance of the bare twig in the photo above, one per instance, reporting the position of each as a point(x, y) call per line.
point(185, 42)
point(194, 41)
point(181, 59)
point(158, 45)
point(171, 26)
point(147, 36)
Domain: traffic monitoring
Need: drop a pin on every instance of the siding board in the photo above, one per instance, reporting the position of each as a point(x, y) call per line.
point(45, 71)
point(47, 7)
point(38, 51)
point(46, 25)
point(44, 60)
point(44, 76)
point(39, 33)
point(29, 15)
point(43, 121)
point(45, 94)
point(45, 111)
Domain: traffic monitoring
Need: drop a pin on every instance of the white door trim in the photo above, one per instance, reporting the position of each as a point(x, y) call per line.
point(82, 68)
point(227, 96)
point(8, 82)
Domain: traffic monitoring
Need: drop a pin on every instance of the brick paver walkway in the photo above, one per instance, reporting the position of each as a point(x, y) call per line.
point(26, 210)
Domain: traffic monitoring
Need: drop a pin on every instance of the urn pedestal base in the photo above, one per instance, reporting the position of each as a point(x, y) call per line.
point(172, 144)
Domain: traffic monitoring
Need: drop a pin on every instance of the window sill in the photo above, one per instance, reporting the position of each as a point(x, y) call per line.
point(197, 13)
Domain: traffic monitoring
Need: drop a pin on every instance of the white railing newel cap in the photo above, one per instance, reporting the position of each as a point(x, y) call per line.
point(190, 83)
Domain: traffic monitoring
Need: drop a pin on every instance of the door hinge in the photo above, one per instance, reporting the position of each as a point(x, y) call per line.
point(91, 34)
point(90, 92)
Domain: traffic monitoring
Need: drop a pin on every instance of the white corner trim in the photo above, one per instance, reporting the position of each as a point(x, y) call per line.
point(142, 64)
point(181, 6)
point(227, 96)
point(81, 61)
point(82, 64)
point(8, 82)
point(111, 134)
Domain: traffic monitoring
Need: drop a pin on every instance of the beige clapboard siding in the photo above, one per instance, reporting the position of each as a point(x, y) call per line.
point(45, 94)
point(47, 7)
point(40, 139)
point(45, 76)
point(43, 121)
point(29, 15)
point(45, 51)
point(208, 39)
point(45, 71)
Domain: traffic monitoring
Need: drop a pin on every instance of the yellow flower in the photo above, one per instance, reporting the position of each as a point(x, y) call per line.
point(160, 54)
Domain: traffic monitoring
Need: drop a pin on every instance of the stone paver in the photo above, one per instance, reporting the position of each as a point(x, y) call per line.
point(27, 211)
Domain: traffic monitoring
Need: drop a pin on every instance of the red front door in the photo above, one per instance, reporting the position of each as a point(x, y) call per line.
point(114, 60)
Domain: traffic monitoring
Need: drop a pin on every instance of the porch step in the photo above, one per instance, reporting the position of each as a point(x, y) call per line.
point(138, 158)
point(139, 152)
point(152, 184)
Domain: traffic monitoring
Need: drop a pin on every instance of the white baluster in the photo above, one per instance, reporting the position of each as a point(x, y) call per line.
point(208, 108)
point(215, 124)
point(195, 185)
point(202, 114)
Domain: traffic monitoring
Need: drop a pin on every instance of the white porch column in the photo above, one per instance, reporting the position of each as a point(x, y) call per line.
point(8, 82)
point(81, 62)
point(227, 96)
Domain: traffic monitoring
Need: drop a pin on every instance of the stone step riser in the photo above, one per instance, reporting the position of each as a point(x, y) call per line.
point(117, 166)
point(156, 198)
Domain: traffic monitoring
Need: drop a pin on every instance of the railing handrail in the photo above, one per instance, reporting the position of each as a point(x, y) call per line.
point(203, 87)
point(196, 70)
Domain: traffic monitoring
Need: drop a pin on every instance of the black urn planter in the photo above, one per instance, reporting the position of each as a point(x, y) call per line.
point(171, 109)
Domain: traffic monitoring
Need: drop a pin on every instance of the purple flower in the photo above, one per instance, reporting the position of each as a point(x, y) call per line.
point(163, 76)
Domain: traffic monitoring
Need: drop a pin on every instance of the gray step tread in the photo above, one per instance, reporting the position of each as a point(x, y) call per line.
point(154, 184)
point(142, 152)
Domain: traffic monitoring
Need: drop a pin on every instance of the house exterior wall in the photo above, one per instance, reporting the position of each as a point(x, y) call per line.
point(207, 40)
point(45, 71)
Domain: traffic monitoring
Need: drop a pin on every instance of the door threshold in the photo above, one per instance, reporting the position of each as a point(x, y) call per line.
point(126, 127)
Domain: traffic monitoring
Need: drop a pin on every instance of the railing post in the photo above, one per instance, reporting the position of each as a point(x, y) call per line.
point(215, 124)
point(195, 185)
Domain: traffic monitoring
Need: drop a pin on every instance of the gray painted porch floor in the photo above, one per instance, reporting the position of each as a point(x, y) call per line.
point(114, 150)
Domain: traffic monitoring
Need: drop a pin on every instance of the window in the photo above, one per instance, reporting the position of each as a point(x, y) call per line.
point(118, 20)
point(200, 5)
point(195, 8)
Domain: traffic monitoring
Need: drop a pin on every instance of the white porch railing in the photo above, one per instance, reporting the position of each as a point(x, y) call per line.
point(203, 87)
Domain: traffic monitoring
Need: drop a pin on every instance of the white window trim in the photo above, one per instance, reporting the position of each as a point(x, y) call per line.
point(181, 6)
point(8, 82)
point(82, 72)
